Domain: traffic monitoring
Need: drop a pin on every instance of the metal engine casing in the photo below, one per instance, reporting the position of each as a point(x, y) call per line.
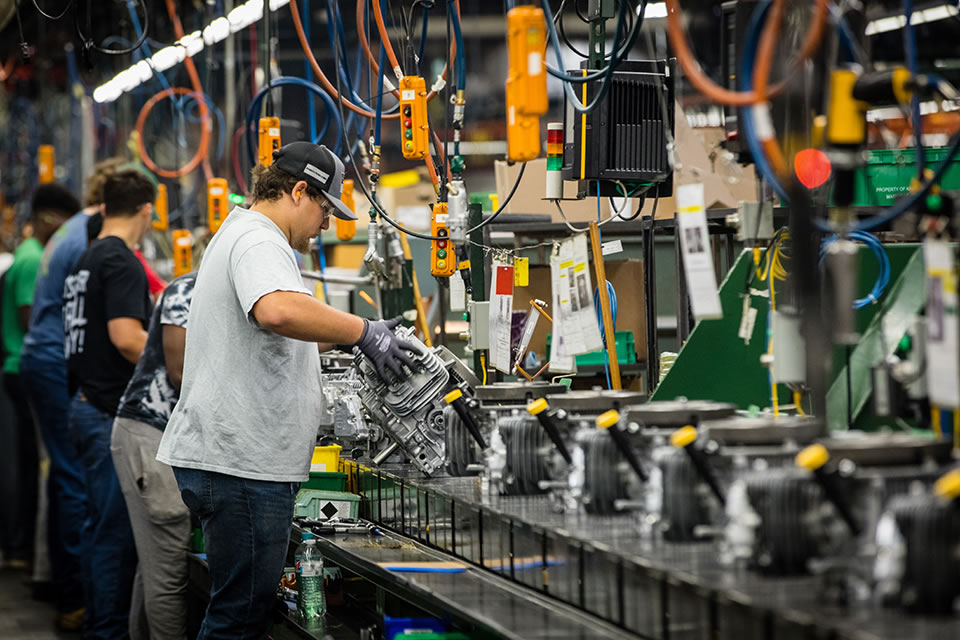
point(791, 526)
point(533, 463)
point(343, 418)
point(411, 410)
point(494, 401)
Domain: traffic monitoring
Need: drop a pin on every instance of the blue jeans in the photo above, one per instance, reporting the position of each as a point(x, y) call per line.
point(113, 556)
point(45, 384)
point(246, 531)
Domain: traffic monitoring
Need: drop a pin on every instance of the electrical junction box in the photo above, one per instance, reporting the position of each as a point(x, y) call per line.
point(161, 209)
point(182, 252)
point(414, 130)
point(217, 193)
point(443, 260)
point(625, 137)
point(269, 139)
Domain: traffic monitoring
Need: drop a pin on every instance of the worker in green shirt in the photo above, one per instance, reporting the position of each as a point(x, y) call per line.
point(52, 205)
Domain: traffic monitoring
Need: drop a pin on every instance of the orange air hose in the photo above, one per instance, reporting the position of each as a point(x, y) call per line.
point(761, 73)
point(700, 80)
point(201, 155)
point(321, 76)
point(378, 16)
point(375, 66)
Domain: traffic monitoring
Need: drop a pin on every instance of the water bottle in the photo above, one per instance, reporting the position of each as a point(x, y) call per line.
point(311, 599)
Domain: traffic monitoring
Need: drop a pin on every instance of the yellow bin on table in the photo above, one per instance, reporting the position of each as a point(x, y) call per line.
point(325, 459)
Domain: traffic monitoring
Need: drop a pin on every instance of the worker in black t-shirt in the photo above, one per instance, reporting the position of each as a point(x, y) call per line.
point(106, 309)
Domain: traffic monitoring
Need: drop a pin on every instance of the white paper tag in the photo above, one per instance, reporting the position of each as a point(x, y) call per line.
point(575, 329)
point(943, 324)
point(748, 319)
point(612, 247)
point(697, 258)
point(216, 191)
point(501, 316)
point(441, 217)
point(408, 94)
point(458, 293)
point(273, 132)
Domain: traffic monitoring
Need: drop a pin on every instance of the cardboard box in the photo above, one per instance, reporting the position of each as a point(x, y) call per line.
point(626, 276)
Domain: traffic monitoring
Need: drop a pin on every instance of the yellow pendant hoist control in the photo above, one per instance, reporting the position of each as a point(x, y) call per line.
point(46, 161)
point(269, 139)
point(443, 261)
point(182, 252)
point(161, 210)
point(346, 229)
point(526, 86)
point(414, 131)
point(216, 203)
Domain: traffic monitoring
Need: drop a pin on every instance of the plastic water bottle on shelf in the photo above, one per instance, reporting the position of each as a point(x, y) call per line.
point(311, 599)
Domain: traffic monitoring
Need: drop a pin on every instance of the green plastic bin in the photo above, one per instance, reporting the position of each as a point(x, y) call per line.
point(324, 505)
point(626, 351)
point(888, 174)
point(326, 481)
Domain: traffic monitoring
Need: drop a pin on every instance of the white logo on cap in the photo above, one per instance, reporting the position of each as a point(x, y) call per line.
point(314, 172)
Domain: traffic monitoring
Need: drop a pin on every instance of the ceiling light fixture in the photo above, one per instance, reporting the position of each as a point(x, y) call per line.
point(191, 44)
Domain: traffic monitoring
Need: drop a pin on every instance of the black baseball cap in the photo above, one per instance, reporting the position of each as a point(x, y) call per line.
point(318, 167)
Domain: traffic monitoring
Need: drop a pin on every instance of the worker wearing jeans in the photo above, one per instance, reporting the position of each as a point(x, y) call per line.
point(106, 310)
point(241, 437)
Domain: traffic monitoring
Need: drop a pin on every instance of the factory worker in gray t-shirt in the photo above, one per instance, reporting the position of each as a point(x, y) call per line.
point(241, 436)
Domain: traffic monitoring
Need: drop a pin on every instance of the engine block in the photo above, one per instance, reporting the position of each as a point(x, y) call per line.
point(411, 410)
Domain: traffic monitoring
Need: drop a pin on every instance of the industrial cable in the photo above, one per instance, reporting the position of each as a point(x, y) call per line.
point(334, 22)
point(254, 110)
point(613, 216)
point(52, 17)
point(200, 157)
point(461, 52)
point(618, 51)
point(883, 261)
point(910, 48)
point(385, 38)
point(267, 55)
point(606, 72)
point(89, 45)
point(375, 66)
point(201, 153)
point(308, 72)
point(700, 80)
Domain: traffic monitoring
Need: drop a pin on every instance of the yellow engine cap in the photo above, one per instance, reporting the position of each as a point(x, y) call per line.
point(538, 406)
point(683, 436)
point(608, 419)
point(453, 396)
point(948, 485)
point(813, 457)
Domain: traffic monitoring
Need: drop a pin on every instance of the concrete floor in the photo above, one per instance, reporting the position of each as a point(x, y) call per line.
point(22, 618)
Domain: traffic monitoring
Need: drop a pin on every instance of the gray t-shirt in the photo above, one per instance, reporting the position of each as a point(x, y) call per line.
point(250, 401)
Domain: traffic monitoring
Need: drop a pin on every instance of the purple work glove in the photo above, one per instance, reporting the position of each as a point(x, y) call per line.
point(384, 350)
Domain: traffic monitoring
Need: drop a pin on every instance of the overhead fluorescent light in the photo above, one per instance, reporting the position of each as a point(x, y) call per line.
point(191, 44)
point(931, 14)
